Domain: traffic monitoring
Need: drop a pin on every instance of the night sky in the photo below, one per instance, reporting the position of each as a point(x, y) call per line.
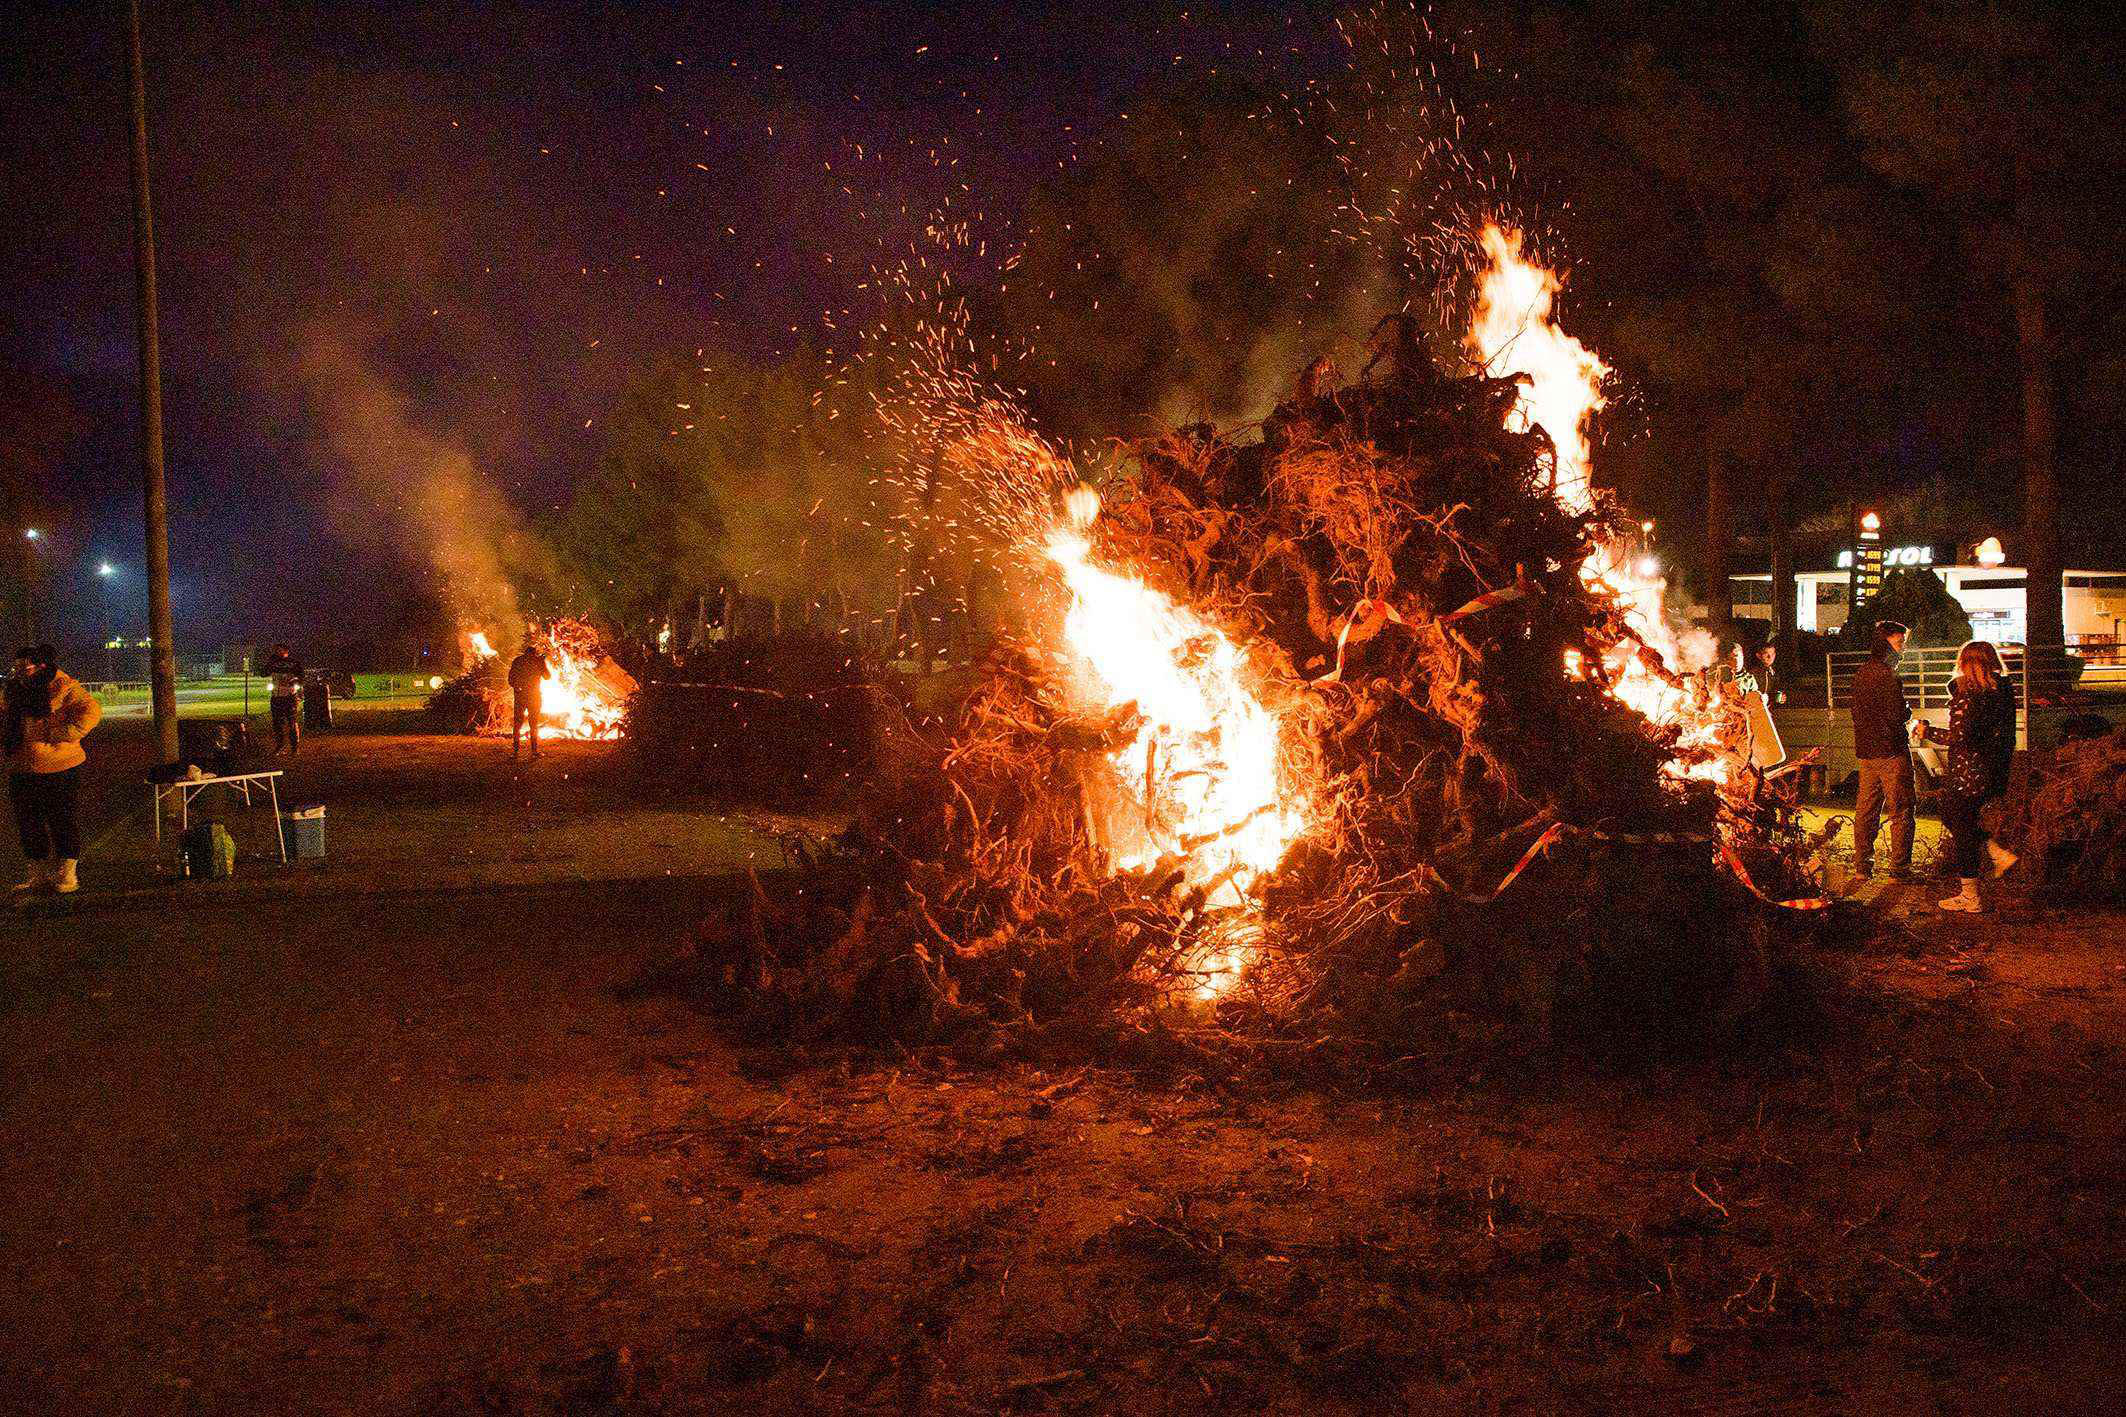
point(504, 209)
point(475, 224)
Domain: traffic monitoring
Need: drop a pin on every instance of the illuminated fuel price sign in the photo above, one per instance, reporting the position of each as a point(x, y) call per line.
point(1864, 568)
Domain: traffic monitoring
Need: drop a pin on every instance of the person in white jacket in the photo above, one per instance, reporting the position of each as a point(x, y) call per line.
point(48, 714)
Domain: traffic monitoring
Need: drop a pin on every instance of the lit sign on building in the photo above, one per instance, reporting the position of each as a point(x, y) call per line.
point(1893, 556)
point(1863, 561)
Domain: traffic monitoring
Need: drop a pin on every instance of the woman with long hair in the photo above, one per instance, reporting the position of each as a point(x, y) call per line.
point(1981, 741)
point(48, 714)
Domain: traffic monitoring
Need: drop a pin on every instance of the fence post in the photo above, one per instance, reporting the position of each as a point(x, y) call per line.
point(1829, 699)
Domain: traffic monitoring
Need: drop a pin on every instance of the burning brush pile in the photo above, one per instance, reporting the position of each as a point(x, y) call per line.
point(584, 694)
point(1349, 739)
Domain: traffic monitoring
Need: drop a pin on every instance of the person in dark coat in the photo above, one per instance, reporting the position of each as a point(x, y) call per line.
point(1882, 743)
point(1766, 676)
point(285, 673)
point(526, 673)
point(1981, 740)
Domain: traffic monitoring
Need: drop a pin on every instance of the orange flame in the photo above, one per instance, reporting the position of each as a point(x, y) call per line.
point(1199, 781)
point(1512, 332)
point(584, 694)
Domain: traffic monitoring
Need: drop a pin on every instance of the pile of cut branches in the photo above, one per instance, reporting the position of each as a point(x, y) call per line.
point(1410, 594)
point(2067, 819)
point(791, 721)
point(476, 701)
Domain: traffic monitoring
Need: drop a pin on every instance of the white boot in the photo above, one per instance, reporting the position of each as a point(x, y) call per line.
point(63, 880)
point(1965, 899)
point(2001, 857)
point(40, 876)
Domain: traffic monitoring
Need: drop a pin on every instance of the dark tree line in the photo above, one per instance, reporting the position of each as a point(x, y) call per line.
point(1840, 254)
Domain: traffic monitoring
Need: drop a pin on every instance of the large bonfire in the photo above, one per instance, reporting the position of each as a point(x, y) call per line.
point(1333, 737)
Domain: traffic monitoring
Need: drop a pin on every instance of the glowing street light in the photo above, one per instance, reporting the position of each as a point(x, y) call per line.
point(31, 534)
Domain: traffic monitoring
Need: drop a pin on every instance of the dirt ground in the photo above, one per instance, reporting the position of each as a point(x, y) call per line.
point(395, 1135)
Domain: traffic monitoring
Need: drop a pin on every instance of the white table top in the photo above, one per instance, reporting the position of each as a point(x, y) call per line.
point(225, 777)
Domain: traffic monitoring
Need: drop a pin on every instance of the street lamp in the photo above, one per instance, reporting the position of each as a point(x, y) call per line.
point(107, 573)
point(30, 537)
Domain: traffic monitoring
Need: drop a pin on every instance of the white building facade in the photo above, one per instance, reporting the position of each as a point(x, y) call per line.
point(1994, 597)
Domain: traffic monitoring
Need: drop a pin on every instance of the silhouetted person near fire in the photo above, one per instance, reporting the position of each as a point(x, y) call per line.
point(1883, 745)
point(48, 714)
point(285, 673)
point(526, 672)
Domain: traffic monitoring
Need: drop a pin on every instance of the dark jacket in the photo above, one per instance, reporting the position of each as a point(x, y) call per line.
point(1981, 739)
point(285, 672)
point(527, 670)
point(1879, 712)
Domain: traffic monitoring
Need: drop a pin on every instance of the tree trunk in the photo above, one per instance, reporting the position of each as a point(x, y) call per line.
point(1719, 547)
point(1779, 528)
point(2043, 617)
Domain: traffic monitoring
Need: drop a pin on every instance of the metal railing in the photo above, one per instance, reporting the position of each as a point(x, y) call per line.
point(123, 691)
point(2047, 673)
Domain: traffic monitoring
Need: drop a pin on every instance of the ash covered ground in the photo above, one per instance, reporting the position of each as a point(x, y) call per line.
point(401, 1129)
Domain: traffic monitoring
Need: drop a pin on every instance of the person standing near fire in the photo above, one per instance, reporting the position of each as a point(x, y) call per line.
point(1767, 656)
point(1981, 741)
point(526, 672)
point(285, 674)
point(1882, 743)
point(48, 714)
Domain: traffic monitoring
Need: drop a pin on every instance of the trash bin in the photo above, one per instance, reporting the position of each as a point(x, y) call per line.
point(317, 701)
point(306, 833)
